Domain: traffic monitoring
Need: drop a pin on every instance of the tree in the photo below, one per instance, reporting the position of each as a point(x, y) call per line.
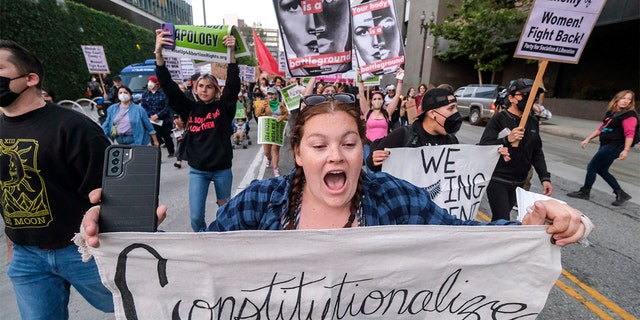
point(247, 34)
point(478, 29)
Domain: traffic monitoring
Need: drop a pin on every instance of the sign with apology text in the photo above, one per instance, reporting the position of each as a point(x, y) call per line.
point(558, 30)
point(384, 272)
point(96, 59)
point(456, 176)
point(204, 43)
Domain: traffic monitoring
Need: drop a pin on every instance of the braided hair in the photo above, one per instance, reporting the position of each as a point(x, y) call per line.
point(297, 132)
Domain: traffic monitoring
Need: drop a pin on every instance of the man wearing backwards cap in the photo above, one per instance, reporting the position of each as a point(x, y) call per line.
point(437, 124)
point(157, 105)
point(503, 129)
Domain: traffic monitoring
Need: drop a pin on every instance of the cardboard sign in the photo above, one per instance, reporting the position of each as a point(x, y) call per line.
point(456, 176)
point(95, 58)
point(558, 30)
point(386, 272)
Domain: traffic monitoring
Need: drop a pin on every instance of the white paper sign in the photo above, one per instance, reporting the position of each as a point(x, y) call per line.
point(174, 64)
point(95, 58)
point(389, 272)
point(558, 30)
point(455, 176)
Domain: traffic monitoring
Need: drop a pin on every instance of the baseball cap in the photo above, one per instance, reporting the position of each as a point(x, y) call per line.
point(153, 79)
point(117, 78)
point(435, 98)
point(272, 90)
point(523, 85)
point(391, 87)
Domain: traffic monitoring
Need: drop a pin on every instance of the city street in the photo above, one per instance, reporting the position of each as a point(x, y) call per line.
point(598, 282)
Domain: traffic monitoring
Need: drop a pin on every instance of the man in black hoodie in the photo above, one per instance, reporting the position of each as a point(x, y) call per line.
point(503, 129)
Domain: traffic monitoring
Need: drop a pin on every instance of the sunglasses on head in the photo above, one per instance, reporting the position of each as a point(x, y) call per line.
point(314, 99)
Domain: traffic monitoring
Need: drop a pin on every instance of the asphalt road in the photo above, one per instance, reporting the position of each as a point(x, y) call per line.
point(598, 282)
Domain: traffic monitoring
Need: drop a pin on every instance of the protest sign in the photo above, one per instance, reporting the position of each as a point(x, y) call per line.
point(558, 30)
point(455, 176)
point(247, 73)
point(316, 37)
point(383, 272)
point(271, 131)
point(95, 58)
point(291, 95)
point(239, 111)
point(175, 69)
point(204, 43)
point(187, 67)
point(377, 38)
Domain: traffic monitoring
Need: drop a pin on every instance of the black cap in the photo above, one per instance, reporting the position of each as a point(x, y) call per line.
point(117, 78)
point(435, 98)
point(523, 85)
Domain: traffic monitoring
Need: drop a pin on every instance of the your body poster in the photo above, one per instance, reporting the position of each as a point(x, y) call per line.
point(384, 272)
point(456, 176)
point(204, 43)
point(316, 36)
point(271, 131)
point(558, 30)
point(377, 38)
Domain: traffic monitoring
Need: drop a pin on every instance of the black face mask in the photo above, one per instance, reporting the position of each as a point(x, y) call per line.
point(452, 123)
point(523, 103)
point(7, 96)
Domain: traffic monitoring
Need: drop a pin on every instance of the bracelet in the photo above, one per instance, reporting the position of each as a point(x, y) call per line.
point(588, 227)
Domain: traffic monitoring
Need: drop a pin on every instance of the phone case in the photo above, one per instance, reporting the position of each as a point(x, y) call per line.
point(168, 26)
point(130, 186)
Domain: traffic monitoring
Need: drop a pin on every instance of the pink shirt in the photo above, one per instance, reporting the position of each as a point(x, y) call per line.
point(376, 128)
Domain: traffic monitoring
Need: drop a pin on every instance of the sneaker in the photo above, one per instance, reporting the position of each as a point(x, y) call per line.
point(276, 173)
point(268, 163)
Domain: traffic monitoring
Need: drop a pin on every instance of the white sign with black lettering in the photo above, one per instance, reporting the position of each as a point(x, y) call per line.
point(384, 272)
point(456, 176)
point(558, 30)
point(95, 58)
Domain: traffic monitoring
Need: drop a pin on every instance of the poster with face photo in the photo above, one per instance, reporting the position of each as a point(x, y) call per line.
point(377, 38)
point(316, 36)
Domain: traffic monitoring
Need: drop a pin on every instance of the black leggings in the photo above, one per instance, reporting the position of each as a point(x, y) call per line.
point(502, 198)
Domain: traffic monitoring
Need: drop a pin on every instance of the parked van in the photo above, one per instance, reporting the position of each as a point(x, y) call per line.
point(477, 101)
point(136, 76)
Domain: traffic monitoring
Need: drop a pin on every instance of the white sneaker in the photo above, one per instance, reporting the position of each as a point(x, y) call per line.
point(276, 173)
point(268, 163)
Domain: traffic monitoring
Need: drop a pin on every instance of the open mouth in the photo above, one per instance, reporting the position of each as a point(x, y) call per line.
point(312, 45)
point(335, 180)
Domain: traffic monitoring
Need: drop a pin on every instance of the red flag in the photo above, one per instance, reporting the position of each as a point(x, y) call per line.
point(266, 61)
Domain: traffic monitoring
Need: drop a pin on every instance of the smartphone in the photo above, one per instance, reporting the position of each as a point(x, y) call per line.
point(169, 27)
point(130, 186)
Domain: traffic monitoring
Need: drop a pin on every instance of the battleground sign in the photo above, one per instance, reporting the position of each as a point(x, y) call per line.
point(388, 272)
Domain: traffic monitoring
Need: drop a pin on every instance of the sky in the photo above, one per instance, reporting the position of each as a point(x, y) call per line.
point(249, 10)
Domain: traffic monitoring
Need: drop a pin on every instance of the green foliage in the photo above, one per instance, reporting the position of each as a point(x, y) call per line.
point(55, 30)
point(478, 29)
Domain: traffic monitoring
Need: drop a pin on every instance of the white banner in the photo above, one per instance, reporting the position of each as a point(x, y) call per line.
point(558, 30)
point(389, 272)
point(96, 59)
point(455, 176)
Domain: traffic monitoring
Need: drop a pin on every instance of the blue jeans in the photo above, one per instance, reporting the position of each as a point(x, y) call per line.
point(199, 189)
point(42, 279)
point(600, 164)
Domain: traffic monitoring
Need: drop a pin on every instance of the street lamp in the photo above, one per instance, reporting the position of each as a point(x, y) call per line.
point(424, 30)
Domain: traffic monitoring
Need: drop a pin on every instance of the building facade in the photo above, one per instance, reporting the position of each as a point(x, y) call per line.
point(146, 13)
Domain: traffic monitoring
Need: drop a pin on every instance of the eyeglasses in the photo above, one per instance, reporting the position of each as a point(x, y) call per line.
point(314, 99)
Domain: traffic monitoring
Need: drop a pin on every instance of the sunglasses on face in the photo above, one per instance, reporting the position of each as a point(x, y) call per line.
point(314, 99)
